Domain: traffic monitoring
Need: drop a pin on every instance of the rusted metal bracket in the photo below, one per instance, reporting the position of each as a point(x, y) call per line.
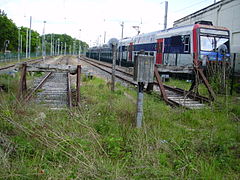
point(160, 84)
point(205, 82)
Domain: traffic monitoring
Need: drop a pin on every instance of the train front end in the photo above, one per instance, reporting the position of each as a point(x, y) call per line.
point(210, 44)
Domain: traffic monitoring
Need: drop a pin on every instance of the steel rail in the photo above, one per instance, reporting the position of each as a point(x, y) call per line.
point(169, 101)
point(28, 61)
point(37, 87)
point(183, 92)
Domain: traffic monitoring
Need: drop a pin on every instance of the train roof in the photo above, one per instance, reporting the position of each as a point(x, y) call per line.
point(187, 29)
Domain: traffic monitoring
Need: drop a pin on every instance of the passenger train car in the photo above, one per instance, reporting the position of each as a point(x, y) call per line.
point(180, 46)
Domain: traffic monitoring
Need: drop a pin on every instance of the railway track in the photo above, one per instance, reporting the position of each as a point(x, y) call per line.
point(53, 90)
point(12, 66)
point(174, 96)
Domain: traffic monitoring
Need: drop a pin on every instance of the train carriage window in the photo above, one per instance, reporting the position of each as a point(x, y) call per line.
point(187, 44)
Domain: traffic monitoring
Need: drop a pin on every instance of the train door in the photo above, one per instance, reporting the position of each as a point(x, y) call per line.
point(130, 51)
point(159, 49)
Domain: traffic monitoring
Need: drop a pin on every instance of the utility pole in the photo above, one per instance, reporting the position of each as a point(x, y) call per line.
point(26, 43)
point(104, 34)
point(43, 42)
point(121, 52)
point(79, 48)
point(30, 33)
point(58, 45)
point(165, 16)
point(104, 39)
point(73, 48)
point(122, 29)
point(65, 49)
point(19, 44)
point(51, 44)
point(61, 47)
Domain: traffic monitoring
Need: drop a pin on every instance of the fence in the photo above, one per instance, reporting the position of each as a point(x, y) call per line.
point(235, 77)
point(12, 57)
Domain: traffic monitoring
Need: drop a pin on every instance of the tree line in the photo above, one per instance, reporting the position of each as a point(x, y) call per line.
point(12, 37)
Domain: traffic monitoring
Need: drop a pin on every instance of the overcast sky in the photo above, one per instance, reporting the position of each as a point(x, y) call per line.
point(94, 17)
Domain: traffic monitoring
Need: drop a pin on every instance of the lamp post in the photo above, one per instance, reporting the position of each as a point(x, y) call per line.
point(26, 43)
point(19, 44)
point(30, 34)
point(51, 44)
point(70, 49)
point(58, 45)
point(43, 42)
point(61, 47)
point(73, 52)
point(79, 48)
point(121, 52)
point(6, 43)
point(65, 48)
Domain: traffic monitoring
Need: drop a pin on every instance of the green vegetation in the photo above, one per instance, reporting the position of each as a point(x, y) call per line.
point(9, 31)
point(98, 140)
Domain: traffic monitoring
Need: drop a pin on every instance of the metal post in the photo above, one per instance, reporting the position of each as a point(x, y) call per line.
point(79, 50)
point(23, 82)
point(51, 44)
point(58, 44)
point(78, 83)
point(56, 47)
point(30, 34)
point(26, 43)
point(99, 54)
point(104, 39)
point(73, 52)
point(43, 42)
point(140, 105)
point(165, 16)
point(113, 67)
point(122, 29)
point(61, 47)
point(121, 52)
point(18, 44)
point(65, 49)
point(21, 44)
point(233, 73)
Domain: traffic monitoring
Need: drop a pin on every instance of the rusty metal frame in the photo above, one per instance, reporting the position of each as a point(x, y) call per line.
point(160, 84)
point(23, 82)
point(205, 82)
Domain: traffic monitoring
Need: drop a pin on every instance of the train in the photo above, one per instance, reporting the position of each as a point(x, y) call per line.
point(185, 46)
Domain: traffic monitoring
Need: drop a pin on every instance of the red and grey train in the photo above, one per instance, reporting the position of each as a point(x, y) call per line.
point(177, 46)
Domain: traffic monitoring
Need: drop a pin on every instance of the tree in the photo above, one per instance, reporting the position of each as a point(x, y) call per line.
point(64, 38)
point(8, 31)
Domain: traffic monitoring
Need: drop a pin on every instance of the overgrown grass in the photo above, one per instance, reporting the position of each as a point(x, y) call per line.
point(98, 140)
